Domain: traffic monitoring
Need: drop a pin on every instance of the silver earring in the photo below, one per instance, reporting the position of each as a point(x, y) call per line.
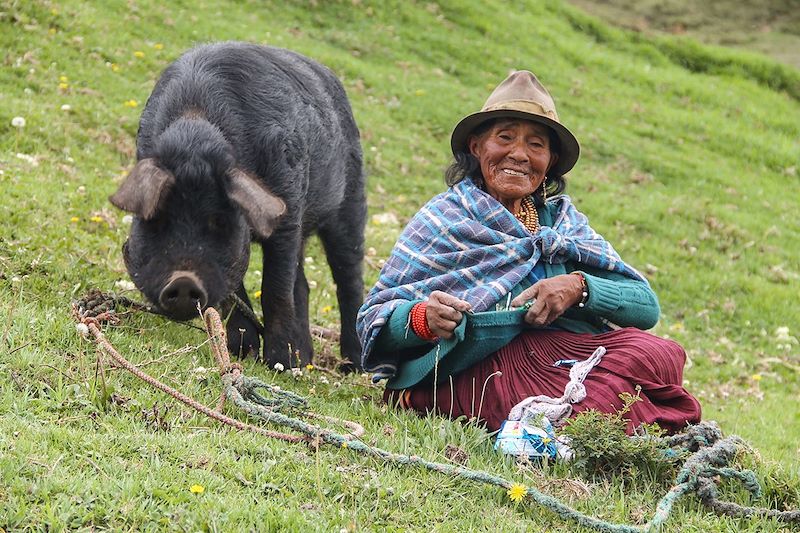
point(544, 190)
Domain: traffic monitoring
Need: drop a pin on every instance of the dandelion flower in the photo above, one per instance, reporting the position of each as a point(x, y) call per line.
point(327, 309)
point(419, 92)
point(63, 79)
point(309, 367)
point(197, 489)
point(279, 367)
point(96, 219)
point(130, 103)
point(517, 492)
point(139, 54)
point(756, 377)
point(344, 444)
point(66, 107)
point(257, 294)
point(18, 122)
point(83, 329)
point(51, 31)
point(158, 46)
point(74, 219)
point(114, 67)
point(63, 86)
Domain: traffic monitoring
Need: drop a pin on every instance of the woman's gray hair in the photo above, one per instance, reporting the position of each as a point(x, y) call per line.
point(467, 165)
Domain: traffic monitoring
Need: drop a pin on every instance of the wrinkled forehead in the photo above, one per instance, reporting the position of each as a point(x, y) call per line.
point(528, 126)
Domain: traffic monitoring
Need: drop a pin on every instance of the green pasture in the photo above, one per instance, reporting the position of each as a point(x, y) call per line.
point(690, 166)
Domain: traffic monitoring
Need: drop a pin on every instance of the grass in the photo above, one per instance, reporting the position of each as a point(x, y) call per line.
point(689, 165)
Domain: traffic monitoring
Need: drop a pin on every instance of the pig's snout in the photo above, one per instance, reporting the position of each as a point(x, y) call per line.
point(182, 294)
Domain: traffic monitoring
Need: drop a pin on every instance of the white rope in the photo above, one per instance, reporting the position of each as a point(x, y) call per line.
point(557, 410)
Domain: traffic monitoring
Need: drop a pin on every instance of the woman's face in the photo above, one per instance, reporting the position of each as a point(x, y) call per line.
point(514, 156)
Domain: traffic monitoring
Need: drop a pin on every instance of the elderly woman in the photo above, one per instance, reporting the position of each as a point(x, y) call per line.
point(499, 296)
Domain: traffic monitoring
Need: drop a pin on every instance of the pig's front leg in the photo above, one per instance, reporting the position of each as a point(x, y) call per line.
point(243, 334)
point(282, 258)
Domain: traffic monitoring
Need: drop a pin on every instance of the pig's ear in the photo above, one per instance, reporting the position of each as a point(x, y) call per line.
point(261, 208)
point(144, 189)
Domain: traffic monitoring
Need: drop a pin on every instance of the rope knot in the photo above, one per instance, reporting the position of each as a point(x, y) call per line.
point(231, 368)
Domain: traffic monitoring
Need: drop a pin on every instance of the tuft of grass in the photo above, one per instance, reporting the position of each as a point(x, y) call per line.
point(603, 450)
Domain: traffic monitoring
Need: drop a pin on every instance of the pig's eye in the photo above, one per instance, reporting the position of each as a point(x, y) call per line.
point(216, 223)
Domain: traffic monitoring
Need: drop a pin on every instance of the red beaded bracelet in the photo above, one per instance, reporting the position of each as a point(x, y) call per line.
point(419, 322)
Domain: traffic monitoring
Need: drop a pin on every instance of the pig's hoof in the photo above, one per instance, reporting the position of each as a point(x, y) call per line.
point(347, 367)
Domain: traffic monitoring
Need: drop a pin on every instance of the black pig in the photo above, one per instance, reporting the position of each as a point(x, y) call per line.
point(238, 141)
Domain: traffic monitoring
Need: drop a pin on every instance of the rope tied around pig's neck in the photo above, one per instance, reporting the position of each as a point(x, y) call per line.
point(700, 473)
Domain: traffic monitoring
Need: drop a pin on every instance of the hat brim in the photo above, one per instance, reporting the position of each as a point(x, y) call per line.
point(567, 155)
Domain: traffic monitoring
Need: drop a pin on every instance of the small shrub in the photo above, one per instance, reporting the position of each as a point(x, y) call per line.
point(604, 450)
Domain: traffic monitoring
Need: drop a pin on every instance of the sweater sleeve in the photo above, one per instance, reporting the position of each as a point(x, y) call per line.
point(624, 301)
point(398, 337)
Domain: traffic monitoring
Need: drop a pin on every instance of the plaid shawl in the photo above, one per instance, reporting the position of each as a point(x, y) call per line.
point(465, 243)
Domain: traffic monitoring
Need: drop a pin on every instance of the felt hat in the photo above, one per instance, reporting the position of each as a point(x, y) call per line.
point(521, 95)
point(476, 336)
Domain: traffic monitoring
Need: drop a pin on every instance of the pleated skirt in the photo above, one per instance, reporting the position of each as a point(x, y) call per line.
point(526, 367)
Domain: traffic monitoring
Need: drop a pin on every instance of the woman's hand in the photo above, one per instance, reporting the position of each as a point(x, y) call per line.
point(443, 313)
point(551, 297)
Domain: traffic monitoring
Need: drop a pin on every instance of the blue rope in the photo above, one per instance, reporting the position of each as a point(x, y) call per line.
point(711, 456)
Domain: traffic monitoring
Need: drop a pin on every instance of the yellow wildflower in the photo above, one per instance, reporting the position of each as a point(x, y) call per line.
point(139, 54)
point(51, 31)
point(96, 219)
point(74, 219)
point(309, 366)
point(517, 492)
point(344, 444)
point(114, 67)
point(63, 86)
point(158, 46)
point(756, 377)
point(327, 309)
point(130, 103)
point(419, 92)
point(257, 294)
point(197, 489)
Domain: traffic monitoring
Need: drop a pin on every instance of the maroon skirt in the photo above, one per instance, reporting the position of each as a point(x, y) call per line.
point(488, 390)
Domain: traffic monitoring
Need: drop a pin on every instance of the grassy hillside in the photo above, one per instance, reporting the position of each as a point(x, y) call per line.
point(689, 166)
point(771, 27)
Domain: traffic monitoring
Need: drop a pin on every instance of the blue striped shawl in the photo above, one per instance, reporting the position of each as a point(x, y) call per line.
point(465, 243)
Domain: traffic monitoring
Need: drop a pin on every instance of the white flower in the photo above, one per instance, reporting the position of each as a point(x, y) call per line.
point(18, 122)
point(323, 379)
point(83, 329)
point(296, 372)
point(66, 107)
point(278, 367)
point(127, 220)
point(28, 159)
point(125, 285)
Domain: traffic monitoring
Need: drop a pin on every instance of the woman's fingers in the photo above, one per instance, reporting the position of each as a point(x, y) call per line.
point(439, 297)
point(444, 312)
point(525, 296)
point(553, 296)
